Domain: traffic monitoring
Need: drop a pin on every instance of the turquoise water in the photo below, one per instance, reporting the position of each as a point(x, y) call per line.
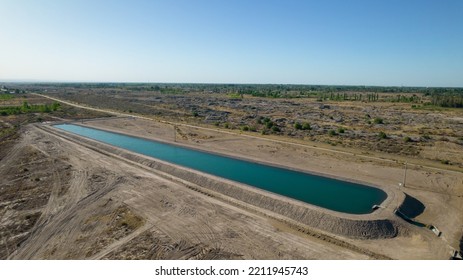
point(325, 192)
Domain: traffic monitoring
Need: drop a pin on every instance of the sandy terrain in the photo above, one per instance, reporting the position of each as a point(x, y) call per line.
point(110, 206)
point(63, 198)
point(76, 203)
point(440, 191)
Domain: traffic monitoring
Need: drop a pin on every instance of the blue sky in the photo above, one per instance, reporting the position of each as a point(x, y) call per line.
point(370, 42)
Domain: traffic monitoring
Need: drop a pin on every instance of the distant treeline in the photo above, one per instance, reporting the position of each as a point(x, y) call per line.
point(438, 96)
point(447, 100)
point(257, 89)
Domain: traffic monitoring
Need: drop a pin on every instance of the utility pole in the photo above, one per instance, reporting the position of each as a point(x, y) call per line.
point(405, 175)
point(403, 183)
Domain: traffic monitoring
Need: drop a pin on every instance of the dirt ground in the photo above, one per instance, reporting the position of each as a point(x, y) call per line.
point(94, 206)
point(109, 206)
point(441, 191)
point(412, 131)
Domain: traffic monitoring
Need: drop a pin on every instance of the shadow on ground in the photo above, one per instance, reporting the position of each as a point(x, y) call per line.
point(411, 206)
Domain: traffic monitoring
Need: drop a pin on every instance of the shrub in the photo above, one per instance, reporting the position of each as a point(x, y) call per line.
point(332, 133)
point(407, 139)
point(378, 120)
point(306, 126)
point(276, 129)
point(298, 126)
point(382, 135)
point(341, 130)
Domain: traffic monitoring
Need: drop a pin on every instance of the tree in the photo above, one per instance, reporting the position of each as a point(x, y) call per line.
point(26, 106)
point(55, 106)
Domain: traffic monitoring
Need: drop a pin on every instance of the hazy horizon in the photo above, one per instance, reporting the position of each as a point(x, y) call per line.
point(19, 81)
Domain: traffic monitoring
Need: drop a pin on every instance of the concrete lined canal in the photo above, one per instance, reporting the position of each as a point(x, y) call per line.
point(325, 192)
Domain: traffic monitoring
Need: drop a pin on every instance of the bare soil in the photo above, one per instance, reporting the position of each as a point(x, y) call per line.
point(109, 203)
point(61, 200)
point(95, 206)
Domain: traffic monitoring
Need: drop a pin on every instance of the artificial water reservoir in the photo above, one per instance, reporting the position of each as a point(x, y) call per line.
point(325, 192)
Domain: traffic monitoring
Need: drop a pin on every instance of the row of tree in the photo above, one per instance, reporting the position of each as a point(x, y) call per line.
point(447, 100)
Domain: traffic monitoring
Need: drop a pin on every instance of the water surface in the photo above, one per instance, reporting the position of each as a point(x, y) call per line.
point(325, 192)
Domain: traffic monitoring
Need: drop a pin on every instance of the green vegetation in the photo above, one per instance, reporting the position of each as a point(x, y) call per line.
point(407, 139)
point(441, 97)
point(447, 100)
point(304, 126)
point(235, 95)
point(332, 133)
point(341, 130)
point(382, 135)
point(378, 120)
point(169, 90)
point(27, 108)
point(269, 124)
point(6, 96)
